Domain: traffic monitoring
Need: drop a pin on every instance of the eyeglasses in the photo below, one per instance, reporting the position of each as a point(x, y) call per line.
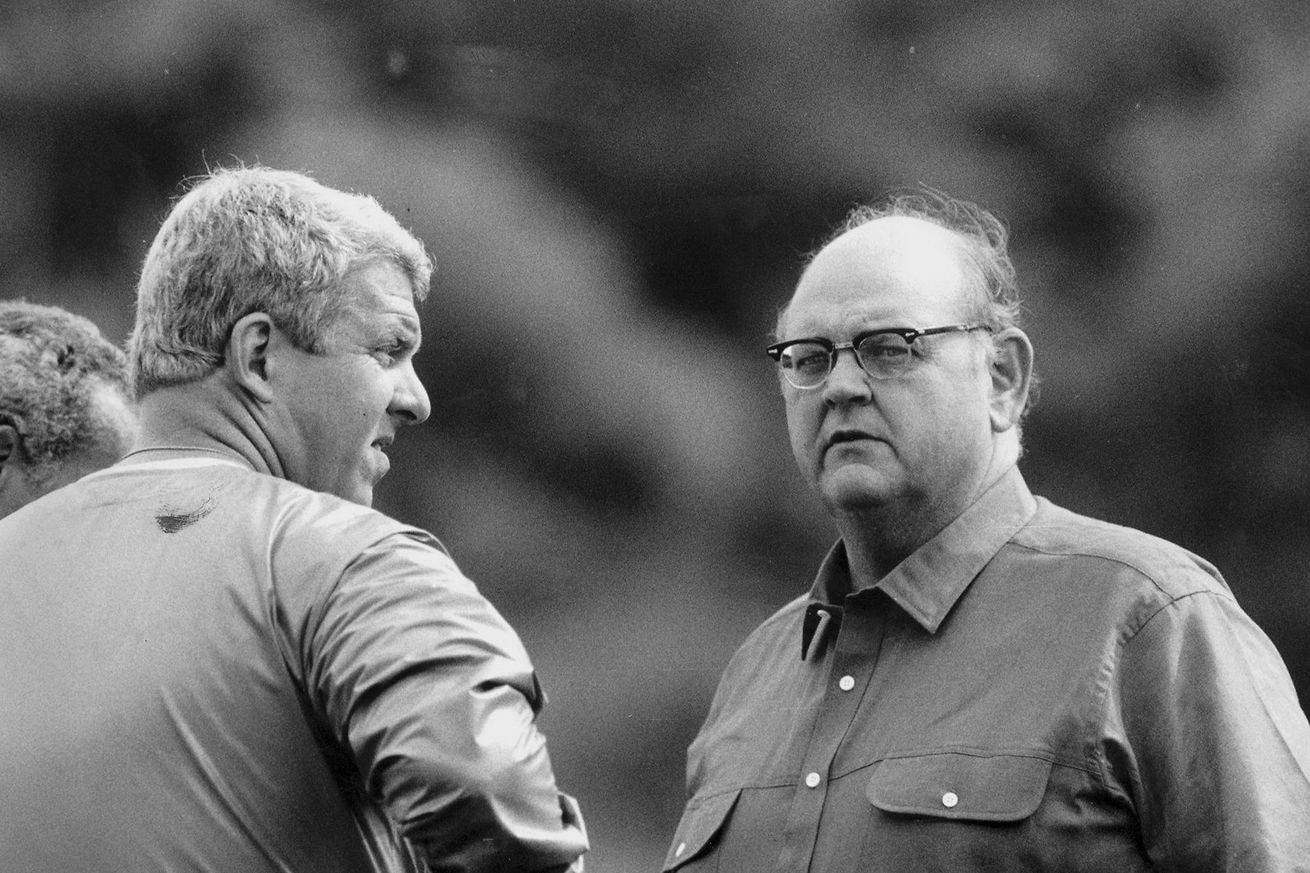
point(884, 353)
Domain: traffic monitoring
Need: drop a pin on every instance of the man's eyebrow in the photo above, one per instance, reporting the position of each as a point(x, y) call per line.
point(406, 332)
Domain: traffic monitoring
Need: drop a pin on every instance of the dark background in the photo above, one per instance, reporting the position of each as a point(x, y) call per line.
point(618, 196)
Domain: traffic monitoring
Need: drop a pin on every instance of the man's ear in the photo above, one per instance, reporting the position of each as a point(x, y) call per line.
point(1011, 374)
point(8, 444)
point(247, 352)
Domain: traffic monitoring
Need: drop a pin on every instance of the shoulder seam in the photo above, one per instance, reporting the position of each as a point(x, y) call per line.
point(1122, 562)
point(1101, 769)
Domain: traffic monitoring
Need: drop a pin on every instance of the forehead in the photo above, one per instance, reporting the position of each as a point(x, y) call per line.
point(380, 293)
point(891, 272)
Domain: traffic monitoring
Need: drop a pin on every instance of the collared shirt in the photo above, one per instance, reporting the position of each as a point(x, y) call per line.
point(1030, 690)
point(206, 668)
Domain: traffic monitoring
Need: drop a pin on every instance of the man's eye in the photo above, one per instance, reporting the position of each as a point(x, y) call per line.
point(807, 359)
point(884, 348)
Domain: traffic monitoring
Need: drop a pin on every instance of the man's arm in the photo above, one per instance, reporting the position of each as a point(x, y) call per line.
point(1220, 745)
point(434, 695)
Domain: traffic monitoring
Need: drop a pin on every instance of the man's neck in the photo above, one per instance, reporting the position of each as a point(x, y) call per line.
point(207, 415)
point(879, 538)
point(876, 541)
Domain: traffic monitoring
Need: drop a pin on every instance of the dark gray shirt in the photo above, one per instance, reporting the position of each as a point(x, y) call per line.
point(1030, 690)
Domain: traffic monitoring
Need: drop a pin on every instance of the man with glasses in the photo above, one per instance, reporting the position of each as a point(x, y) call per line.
point(63, 401)
point(978, 679)
point(216, 655)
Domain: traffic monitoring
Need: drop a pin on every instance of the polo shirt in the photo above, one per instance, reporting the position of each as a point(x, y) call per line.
point(1030, 690)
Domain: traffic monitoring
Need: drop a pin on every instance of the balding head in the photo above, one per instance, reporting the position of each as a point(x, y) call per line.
point(913, 256)
point(977, 239)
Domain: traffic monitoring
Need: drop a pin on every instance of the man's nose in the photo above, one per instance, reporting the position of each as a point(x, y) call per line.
point(410, 402)
point(847, 383)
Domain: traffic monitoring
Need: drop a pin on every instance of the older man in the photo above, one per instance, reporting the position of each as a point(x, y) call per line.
point(978, 679)
point(63, 401)
point(216, 655)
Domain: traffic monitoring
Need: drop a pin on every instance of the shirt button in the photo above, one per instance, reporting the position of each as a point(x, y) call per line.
point(813, 780)
point(682, 847)
point(846, 683)
point(949, 799)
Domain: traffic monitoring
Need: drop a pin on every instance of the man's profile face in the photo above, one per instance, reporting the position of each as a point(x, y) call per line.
point(343, 407)
point(920, 441)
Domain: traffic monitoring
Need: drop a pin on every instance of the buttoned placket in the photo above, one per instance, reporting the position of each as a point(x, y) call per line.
point(847, 665)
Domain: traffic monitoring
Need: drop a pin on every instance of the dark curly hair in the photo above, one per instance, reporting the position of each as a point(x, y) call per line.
point(51, 363)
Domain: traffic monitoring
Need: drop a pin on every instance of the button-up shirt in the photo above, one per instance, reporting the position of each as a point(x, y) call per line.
point(1030, 690)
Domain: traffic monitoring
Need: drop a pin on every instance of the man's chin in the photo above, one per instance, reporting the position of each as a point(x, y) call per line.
point(856, 489)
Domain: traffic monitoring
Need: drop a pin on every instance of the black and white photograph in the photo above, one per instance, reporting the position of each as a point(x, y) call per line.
point(429, 443)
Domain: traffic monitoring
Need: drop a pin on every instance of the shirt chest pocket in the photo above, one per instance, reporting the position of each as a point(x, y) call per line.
point(958, 785)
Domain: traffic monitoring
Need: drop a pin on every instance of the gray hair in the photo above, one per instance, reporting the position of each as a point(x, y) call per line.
point(983, 241)
point(254, 239)
point(52, 363)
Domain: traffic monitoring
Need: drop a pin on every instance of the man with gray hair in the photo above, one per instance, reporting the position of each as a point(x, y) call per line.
point(216, 655)
point(977, 679)
point(64, 410)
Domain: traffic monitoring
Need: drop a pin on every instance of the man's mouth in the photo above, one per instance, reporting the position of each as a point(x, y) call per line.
point(847, 435)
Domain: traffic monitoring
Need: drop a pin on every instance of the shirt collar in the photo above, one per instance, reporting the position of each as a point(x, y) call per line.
point(179, 463)
point(930, 581)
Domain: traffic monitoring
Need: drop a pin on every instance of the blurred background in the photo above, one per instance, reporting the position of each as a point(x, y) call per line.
point(619, 194)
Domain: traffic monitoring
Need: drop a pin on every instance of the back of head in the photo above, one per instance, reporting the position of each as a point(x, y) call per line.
point(253, 239)
point(55, 372)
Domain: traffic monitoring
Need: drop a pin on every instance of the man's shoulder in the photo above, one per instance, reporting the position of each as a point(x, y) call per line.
point(327, 515)
point(780, 631)
point(1153, 561)
point(267, 514)
point(788, 616)
point(313, 520)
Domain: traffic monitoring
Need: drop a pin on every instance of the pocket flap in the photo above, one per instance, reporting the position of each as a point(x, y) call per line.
point(957, 785)
point(701, 824)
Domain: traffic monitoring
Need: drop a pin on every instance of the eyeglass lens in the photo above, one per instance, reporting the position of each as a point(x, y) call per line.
point(881, 355)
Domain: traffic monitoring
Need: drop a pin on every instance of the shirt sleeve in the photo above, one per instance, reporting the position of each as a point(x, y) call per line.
point(433, 694)
point(1217, 745)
